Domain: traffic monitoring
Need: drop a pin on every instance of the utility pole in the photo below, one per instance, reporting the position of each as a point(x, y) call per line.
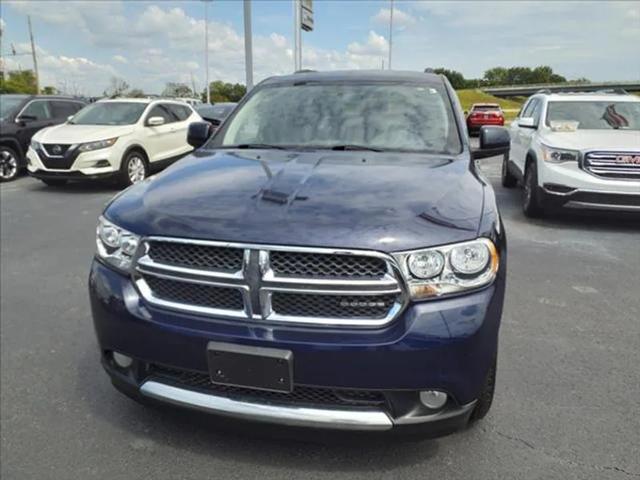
point(390, 32)
point(193, 85)
point(296, 34)
point(206, 47)
point(248, 45)
point(33, 53)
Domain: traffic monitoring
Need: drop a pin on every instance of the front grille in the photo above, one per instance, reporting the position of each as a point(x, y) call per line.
point(55, 149)
point(197, 294)
point(194, 255)
point(613, 164)
point(56, 163)
point(254, 282)
point(302, 264)
point(301, 395)
point(332, 306)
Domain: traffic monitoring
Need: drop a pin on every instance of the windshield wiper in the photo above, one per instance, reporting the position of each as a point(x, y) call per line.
point(257, 146)
point(355, 147)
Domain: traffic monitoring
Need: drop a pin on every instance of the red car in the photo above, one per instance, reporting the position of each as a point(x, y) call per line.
point(484, 114)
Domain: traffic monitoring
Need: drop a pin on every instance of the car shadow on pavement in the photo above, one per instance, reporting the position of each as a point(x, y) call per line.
point(155, 429)
point(76, 187)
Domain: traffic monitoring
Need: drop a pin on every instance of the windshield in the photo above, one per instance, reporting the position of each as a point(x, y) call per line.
point(9, 103)
point(410, 117)
point(595, 115)
point(109, 113)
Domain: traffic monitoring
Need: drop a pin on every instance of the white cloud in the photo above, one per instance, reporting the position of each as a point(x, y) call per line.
point(73, 75)
point(120, 59)
point(376, 45)
point(401, 19)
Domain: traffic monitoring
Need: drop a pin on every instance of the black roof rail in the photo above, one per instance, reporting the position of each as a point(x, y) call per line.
point(544, 90)
point(305, 70)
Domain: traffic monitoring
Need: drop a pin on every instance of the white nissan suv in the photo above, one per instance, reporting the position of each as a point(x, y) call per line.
point(121, 138)
point(576, 150)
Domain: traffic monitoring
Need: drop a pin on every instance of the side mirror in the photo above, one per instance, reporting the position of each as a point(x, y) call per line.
point(198, 134)
point(493, 141)
point(527, 122)
point(155, 121)
point(25, 118)
point(69, 118)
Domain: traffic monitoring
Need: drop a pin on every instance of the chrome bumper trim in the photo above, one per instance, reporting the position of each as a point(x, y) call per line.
point(341, 419)
point(602, 206)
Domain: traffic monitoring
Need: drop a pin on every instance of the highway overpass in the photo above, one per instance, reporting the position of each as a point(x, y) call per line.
point(526, 90)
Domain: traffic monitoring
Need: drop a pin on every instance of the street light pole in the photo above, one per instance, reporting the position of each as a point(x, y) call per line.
point(248, 45)
point(206, 47)
point(390, 32)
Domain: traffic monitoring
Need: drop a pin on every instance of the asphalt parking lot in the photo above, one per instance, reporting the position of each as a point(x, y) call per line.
point(566, 406)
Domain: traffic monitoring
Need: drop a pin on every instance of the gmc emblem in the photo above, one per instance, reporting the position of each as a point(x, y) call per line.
point(632, 159)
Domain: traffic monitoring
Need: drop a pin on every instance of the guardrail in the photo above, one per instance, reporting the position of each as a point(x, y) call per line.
point(526, 90)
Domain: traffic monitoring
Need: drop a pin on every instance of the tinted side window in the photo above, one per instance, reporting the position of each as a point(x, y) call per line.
point(535, 113)
point(161, 110)
point(38, 109)
point(182, 112)
point(62, 109)
point(530, 107)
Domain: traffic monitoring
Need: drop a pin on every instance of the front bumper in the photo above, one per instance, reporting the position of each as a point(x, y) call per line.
point(447, 345)
point(567, 185)
point(103, 163)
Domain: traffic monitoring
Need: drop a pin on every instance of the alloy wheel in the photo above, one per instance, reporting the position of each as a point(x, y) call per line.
point(8, 165)
point(136, 170)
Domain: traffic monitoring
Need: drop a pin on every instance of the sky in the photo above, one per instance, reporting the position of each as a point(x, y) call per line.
point(81, 45)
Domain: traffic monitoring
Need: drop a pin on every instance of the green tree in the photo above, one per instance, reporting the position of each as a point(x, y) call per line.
point(225, 92)
point(456, 79)
point(136, 93)
point(22, 81)
point(49, 90)
point(117, 87)
point(179, 90)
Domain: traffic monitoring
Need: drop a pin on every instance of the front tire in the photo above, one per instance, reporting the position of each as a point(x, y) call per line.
point(532, 204)
point(483, 404)
point(9, 164)
point(508, 180)
point(134, 168)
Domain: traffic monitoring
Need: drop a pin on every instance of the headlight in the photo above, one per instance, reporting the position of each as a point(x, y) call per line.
point(116, 246)
point(87, 147)
point(433, 272)
point(34, 145)
point(559, 155)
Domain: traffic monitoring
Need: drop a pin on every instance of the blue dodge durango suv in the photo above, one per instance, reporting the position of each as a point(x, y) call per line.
point(331, 257)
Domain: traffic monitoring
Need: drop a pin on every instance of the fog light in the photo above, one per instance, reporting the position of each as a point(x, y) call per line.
point(121, 360)
point(433, 399)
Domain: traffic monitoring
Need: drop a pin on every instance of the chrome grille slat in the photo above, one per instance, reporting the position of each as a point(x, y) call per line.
point(609, 165)
point(352, 288)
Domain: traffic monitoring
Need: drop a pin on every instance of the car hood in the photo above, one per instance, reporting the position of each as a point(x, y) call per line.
point(586, 140)
point(70, 134)
point(380, 201)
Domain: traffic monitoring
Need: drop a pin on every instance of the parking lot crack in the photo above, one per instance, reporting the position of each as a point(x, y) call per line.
point(572, 463)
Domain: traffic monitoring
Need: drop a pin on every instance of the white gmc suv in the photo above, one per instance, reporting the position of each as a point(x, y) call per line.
point(576, 150)
point(122, 138)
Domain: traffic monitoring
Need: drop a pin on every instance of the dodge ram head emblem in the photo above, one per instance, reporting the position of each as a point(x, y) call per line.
point(632, 159)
